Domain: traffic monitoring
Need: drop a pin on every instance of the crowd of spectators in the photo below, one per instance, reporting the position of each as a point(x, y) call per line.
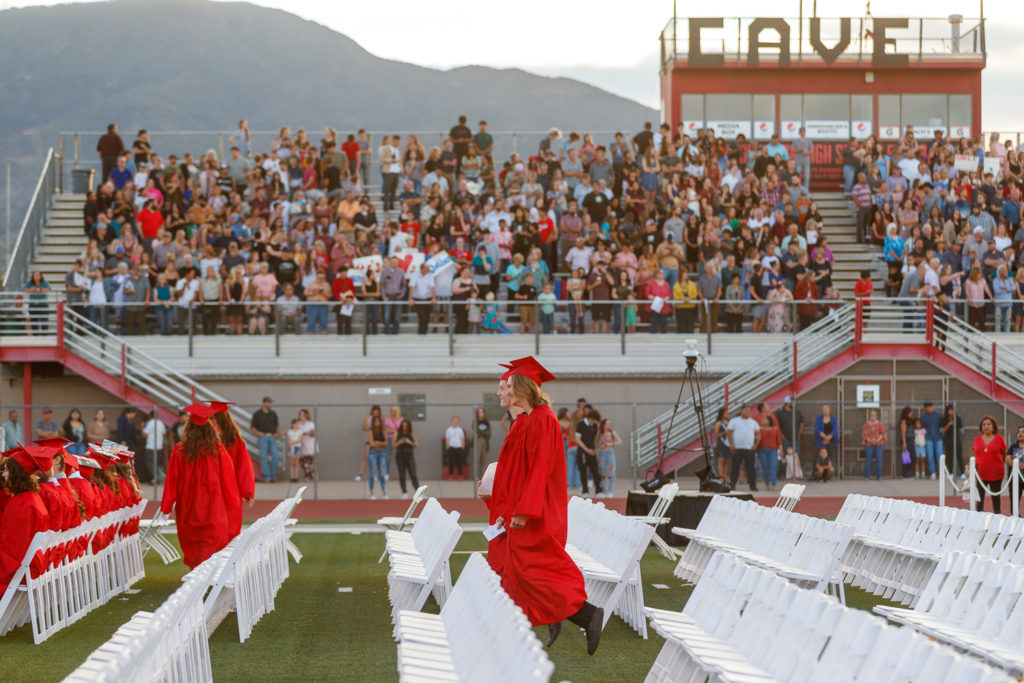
point(656, 231)
point(948, 217)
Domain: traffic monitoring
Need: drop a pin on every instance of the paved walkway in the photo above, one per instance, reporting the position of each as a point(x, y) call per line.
point(349, 500)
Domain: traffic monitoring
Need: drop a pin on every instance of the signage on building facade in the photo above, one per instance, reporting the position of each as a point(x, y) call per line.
point(878, 57)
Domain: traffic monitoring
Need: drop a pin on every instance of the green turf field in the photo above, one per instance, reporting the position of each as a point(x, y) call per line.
point(320, 634)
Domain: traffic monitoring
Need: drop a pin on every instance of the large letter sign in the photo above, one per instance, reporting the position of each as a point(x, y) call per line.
point(878, 54)
point(696, 57)
point(830, 54)
point(755, 44)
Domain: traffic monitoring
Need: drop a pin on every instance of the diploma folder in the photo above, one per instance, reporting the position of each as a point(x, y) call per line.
point(487, 481)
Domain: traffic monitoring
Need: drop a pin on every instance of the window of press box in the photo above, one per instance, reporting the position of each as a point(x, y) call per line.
point(960, 110)
point(727, 107)
point(888, 110)
point(925, 111)
point(791, 108)
point(826, 107)
point(691, 107)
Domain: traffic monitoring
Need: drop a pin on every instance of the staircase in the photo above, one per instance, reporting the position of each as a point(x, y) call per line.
point(851, 257)
point(63, 239)
point(828, 347)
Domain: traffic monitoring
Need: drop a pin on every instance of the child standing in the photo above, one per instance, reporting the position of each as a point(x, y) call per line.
point(475, 315)
point(294, 449)
point(920, 450)
point(607, 440)
point(491, 321)
point(793, 469)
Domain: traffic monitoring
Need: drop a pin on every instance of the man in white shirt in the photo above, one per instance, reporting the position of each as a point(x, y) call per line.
point(422, 296)
point(909, 164)
point(579, 256)
point(186, 290)
point(931, 280)
point(148, 467)
point(455, 445)
point(492, 220)
point(744, 436)
point(770, 258)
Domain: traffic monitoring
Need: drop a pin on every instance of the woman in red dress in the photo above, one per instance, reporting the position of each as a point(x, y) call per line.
point(232, 439)
point(529, 500)
point(202, 489)
point(24, 514)
point(990, 460)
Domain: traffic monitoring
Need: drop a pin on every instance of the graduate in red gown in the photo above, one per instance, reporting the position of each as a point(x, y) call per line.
point(529, 500)
point(84, 489)
point(24, 515)
point(232, 439)
point(201, 487)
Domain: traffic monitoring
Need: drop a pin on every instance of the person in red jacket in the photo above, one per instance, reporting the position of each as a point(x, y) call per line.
point(84, 489)
point(24, 515)
point(232, 439)
point(990, 459)
point(201, 488)
point(529, 500)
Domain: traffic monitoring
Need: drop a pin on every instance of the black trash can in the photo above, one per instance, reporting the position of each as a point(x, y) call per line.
point(81, 180)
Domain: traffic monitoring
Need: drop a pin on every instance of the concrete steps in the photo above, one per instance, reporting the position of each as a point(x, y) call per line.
point(63, 240)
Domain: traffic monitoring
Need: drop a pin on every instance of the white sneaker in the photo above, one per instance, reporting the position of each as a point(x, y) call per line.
point(404, 496)
point(934, 476)
point(358, 478)
point(384, 497)
point(373, 497)
point(586, 495)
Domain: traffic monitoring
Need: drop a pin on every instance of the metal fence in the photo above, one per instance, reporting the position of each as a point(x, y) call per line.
point(21, 248)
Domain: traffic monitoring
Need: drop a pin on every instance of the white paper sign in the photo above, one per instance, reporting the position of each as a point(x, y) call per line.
point(927, 133)
point(492, 532)
point(764, 130)
point(888, 132)
point(357, 271)
point(966, 162)
point(861, 130)
point(957, 132)
point(827, 130)
point(790, 130)
point(992, 166)
point(728, 130)
point(657, 304)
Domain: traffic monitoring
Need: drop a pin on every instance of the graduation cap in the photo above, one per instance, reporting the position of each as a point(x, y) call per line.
point(100, 455)
point(221, 406)
point(33, 458)
point(56, 442)
point(529, 367)
point(508, 370)
point(87, 465)
point(200, 413)
point(70, 461)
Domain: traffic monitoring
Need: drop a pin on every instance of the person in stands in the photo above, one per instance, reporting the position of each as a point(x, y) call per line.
point(201, 488)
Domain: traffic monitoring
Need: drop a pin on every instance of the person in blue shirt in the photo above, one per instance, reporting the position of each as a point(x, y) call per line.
point(121, 175)
point(930, 421)
point(775, 147)
point(1010, 211)
point(1004, 290)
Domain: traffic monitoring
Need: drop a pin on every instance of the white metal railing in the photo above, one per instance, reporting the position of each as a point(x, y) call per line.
point(20, 253)
point(978, 350)
point(138, 369)
point(819, 342)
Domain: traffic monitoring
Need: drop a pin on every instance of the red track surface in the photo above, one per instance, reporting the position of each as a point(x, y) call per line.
point(471, 508)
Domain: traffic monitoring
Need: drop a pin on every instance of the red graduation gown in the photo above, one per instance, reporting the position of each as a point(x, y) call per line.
point(244, 475)
point(24, 515)
point(58, 514)
point(536, 571)
point(205, 495)
point(86, 494)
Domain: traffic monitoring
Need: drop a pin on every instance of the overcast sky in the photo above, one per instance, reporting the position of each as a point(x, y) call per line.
point(614, 44)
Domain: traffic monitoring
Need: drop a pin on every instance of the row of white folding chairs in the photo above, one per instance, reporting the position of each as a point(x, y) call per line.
point(607, 547)
point(480, 635)
point(152, 538)
point(972, 603)
point(898, 543)
point(406, 520)
point(81, 581)
point(246, 575)
point(170, 644)
point(742, 623)
point(805, 550)
point(419, 560)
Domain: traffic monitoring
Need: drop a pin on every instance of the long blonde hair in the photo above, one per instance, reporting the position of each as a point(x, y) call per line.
point(528, 389)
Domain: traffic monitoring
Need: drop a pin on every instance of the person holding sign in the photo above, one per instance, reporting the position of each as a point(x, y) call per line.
point(529, 501)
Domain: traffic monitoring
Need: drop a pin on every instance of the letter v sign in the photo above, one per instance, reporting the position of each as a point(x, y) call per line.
point(830, 55)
